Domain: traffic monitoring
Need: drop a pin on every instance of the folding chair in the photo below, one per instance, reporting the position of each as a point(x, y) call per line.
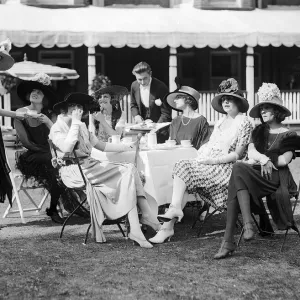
point(122, 219)
point(80, 205)
point(24, 186)
point(206, 207)
point(295, 196)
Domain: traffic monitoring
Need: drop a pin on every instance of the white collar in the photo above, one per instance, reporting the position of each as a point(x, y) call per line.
point(147, 86)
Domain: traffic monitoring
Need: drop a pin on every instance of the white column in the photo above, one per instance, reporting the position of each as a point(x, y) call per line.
point(172, 73)
point(250, 76)
point(91, 75)
point(91, 66)
point(7, 106)
point(172, 69)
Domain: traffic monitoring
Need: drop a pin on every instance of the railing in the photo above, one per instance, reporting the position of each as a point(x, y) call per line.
point(205, 108)
point(291, 100)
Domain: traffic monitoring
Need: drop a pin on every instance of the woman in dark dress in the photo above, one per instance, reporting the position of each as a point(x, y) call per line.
point(190, 125)
point(265, 174)
point(6, 62)
point(33, 133)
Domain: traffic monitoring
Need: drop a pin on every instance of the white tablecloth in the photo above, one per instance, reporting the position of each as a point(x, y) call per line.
point(157, 166)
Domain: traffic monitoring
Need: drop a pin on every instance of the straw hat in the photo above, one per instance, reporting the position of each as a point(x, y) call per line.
point(268, 93)
point(78, 98)
point(184, 90)
point(229, 87)
point(40, 81)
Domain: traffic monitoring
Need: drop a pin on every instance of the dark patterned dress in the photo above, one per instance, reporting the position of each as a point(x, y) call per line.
point(211, 181)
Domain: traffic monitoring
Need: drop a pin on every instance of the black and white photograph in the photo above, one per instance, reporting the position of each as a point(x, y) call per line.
point(149, 149)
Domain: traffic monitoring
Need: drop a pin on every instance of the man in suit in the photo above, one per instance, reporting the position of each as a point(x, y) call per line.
point(148, 99)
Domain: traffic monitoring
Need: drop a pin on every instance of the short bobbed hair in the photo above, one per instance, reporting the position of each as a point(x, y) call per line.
point(188, 100)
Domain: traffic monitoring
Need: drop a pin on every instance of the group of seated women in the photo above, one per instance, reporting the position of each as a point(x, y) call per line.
point(236, 165)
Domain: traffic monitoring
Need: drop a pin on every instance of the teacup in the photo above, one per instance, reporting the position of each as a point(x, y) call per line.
point(115, 139)
point(127, 140)
point(170, 143)
point(186, 143)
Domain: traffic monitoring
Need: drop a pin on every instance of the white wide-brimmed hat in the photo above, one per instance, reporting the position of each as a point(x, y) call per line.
point(268, 93)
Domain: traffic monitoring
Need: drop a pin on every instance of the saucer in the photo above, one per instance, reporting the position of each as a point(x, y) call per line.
point(187, 146)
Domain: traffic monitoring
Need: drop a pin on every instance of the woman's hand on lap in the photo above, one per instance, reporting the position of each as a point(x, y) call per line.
point(266, 170)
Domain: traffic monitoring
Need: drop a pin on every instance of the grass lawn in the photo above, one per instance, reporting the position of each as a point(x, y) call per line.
point(35, 264)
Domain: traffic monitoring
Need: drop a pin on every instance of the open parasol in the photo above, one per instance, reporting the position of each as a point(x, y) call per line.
point(26, 70)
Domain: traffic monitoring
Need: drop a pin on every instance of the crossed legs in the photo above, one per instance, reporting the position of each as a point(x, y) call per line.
point(242, 201)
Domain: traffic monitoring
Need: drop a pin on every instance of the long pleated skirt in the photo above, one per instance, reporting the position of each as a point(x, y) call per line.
point(112, 189)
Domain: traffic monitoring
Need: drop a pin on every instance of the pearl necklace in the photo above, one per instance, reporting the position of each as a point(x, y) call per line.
point(273, 142)
point(188, 120)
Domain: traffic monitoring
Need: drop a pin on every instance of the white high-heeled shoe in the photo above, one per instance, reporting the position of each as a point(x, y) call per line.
point(173, 212)
point(162, 235)
point(142, 243)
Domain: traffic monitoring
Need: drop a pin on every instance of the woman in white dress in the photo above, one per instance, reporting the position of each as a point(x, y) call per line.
point(113, 189)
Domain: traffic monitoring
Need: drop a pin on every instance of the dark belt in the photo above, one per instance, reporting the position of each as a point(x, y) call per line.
point(70, 161)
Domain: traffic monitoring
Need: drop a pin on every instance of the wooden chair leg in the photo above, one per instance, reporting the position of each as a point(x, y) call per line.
point(240, 237)
point(207, 217)
point(68, 218)
point(87, 234)
point(121, 229)
point(294, 227)
point(204, 208)
point(256, 224)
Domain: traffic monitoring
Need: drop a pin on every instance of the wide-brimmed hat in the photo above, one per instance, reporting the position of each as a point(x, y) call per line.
point(40, 81)
point(229, 87)
point(6, 61)
point(184, 90)
point(112, 90)
point(79, 98)
point(268, 93)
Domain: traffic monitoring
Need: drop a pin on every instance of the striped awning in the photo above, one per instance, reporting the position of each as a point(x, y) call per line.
point(148, 27)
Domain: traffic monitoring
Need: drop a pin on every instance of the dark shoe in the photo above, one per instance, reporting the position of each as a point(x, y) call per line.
point(54, 216)
point(248, 232)
point(226, 249)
